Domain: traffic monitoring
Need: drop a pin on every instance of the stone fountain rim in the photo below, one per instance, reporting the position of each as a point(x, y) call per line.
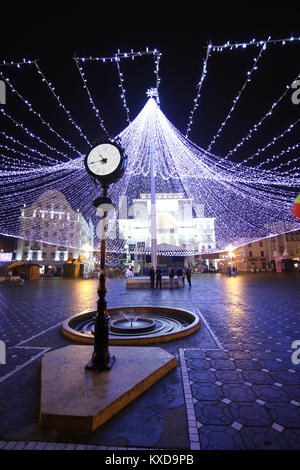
point(82, 338)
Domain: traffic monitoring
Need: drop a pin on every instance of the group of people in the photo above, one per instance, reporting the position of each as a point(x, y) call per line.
point(156, 275)
point(231, 271)
point(22, 277)
point(180, 274)
point(129, 272)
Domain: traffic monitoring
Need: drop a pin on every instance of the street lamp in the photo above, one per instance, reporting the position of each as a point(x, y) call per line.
point(231, 256)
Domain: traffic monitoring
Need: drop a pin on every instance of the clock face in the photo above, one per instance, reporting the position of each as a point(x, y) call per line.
point(103, 159)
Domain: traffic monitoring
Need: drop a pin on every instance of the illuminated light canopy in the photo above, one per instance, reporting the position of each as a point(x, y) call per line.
point(246, 202)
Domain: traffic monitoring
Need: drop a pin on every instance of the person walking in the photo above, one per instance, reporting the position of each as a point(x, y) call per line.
point(129, 272)
point(189, 275)
point(158, 277)
point(171, 277)
point(179, 276)
point(152, 277)
point(22, 278)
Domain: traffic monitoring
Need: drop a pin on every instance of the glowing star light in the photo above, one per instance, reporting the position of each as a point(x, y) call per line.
point(152, 93)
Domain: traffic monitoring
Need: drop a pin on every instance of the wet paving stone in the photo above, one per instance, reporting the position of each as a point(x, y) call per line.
point(274, 365)
point(221, 438)
point(292, 391)
point(288, 414)
point(213, 413)
point(202, 375)
point(238, 392)
point(267, 438)
point(270, 393)
point(199, 364)
point(246, 364)
point(217, 354)
point(285, 377)
point(240, 355)
point(229, 376)
point(207, 391)
point(233, 346)
point(257, 377)
point(220, 364)
point(250, 413)
point(190, 354)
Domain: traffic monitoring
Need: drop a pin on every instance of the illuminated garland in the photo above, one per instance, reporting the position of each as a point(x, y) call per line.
point(253, 42)
point(231, 46)
point(91, 101)
point(17, 63)
point(248, 79)
point(38, 115)
point(199, 87)
point(61, 105)
point(31, 134)
point(272, 142)
point(259, 123)
point(123, 91)
point(116, 59)
point(43, 156)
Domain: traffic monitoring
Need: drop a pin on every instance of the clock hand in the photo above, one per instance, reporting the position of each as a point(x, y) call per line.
point(104, 160)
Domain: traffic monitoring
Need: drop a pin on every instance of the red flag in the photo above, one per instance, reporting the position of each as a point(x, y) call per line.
point(295, 210)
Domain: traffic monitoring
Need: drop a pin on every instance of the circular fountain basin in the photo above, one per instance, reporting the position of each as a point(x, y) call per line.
point(134, 325)
point(137, 325)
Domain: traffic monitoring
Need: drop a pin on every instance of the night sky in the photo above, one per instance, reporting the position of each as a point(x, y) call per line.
point(182, 40)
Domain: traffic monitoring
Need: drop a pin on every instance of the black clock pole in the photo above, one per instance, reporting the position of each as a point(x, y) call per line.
point(101, 359)
point(108, 169)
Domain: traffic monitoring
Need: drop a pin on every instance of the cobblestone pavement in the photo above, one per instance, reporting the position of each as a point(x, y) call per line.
point(235, 386)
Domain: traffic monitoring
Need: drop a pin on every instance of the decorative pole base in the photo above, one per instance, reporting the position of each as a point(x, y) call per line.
point(92, 364)
point(101, 359)
point(79, 401)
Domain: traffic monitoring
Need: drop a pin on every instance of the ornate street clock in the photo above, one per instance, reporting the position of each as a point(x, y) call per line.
point(106, 163)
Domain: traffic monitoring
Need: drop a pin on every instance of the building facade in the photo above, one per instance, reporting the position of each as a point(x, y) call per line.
point(51, 232)
point(178, 228)
point(267, 254)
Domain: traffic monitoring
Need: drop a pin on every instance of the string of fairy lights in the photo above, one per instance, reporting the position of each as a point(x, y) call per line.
point(31, 134)
point(61, 105)
point(80, 61)
point(248, 79)
point(199, 87)
point(37, 114)
point(233, 46)
point(91, 101)
point(123, 91)
point(257, 125)
point(241, 202)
